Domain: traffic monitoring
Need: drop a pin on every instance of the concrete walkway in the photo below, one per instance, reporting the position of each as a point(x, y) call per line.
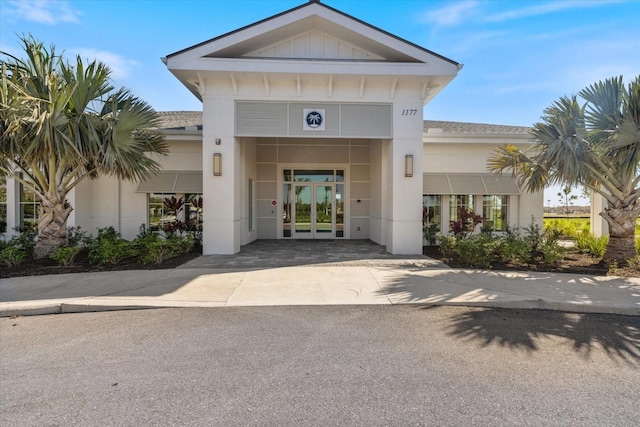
point(315, 273)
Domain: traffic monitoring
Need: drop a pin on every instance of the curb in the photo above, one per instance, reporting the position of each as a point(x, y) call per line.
point(35, 309)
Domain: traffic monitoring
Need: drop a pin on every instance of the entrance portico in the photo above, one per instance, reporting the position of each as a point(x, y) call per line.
point(312, 128)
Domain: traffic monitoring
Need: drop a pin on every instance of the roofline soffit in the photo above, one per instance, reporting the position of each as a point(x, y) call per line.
point(295, 66)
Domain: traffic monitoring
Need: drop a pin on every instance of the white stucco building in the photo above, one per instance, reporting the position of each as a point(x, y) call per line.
point(311, 127)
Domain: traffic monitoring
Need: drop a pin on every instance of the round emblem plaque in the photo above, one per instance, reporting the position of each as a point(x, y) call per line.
point(314, 119)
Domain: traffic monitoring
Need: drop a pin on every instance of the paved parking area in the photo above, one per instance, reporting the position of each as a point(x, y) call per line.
point(291, 253)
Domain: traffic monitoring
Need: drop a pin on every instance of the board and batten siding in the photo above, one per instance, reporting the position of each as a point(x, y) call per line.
point(341, 120)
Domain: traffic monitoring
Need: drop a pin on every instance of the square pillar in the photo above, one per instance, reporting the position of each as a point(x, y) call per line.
point(404, 223)
point(13, 206)
point(221, 195)
point(599, 226)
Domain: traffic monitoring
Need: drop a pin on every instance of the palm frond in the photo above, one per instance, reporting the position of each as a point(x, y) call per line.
point(63, 121)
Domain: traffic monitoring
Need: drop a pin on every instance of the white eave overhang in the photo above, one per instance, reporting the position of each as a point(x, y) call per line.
point(296, 66)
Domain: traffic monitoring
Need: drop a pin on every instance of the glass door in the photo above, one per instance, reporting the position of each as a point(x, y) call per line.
point(324, 220)
point(302, 211)
point(313, 211)
point(313, 203)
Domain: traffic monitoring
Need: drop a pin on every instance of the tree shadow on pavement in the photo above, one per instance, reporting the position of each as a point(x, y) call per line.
point(617, 336)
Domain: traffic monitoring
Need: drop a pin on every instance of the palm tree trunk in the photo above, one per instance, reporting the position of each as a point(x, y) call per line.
point(622, 242)
point(52, 226)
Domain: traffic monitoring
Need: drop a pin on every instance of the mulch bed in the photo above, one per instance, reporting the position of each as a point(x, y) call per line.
point(574, 262)
point(81, 265)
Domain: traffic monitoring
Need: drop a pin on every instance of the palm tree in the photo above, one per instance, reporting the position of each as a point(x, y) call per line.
point(595, 144)
point(63, 122)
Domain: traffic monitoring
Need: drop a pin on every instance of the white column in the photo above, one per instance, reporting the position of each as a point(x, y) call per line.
point(71, 198)
point(513, 210)
point(377, 199)
point(13, 206)
point(599, 226)
point(221, 194)
point(404, 230)
point(444, 225)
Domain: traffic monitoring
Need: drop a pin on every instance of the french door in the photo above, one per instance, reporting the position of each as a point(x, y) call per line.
point(313, 210)
point(313, 203)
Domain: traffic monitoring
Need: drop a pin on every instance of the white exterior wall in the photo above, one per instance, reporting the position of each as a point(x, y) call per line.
point(451, 154)
point(107, 202)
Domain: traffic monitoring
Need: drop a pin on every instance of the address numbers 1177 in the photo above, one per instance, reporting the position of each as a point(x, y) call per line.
point(409, 112)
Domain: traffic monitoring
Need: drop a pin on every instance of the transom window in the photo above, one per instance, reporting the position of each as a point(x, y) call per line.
point(319, 175)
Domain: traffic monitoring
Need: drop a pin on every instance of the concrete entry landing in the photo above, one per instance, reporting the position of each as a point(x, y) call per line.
point(288, 253)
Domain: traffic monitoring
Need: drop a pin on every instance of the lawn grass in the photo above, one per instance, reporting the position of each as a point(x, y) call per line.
point(568, 226)
point(574, 224)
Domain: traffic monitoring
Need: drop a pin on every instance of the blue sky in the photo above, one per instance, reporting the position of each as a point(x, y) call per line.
point(518, 56)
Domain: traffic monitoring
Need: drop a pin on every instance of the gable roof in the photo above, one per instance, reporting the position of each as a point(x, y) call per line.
point(314, 6)
point(307, 44)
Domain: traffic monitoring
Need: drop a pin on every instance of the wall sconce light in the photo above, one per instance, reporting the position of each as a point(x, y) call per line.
point(217, 164)
point(408, 165)
point(218, 141)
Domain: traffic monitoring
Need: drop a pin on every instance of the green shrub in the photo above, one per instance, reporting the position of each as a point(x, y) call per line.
point(19, 247)
point(65, 255)
point(151, 248)
point(588, 243)
point(25, 239)
point(515, 249)
point(581, 241)
point(552, 253)
point(534, 235)
point(485, 250)
point(77, 237)
point(183, 244)
point(447, 245)
point(110, 248)
point(598, 246)
point(11, 254)
point(479, 250)
point(77, 240)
